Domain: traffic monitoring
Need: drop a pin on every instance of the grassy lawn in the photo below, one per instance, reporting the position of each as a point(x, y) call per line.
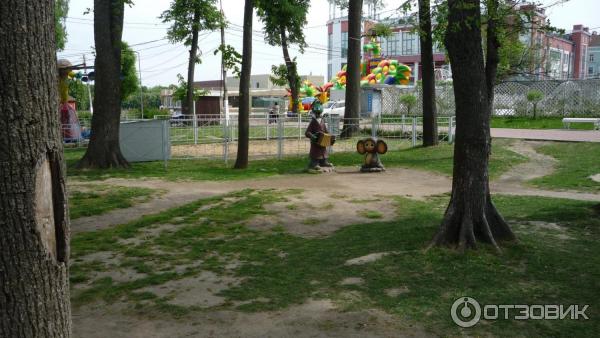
point(438, 159)
point(576, 163)
point(99, 199)
point(539, 123)
point(553, 263)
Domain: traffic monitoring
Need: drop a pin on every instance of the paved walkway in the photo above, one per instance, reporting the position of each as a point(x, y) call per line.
point(548, 134)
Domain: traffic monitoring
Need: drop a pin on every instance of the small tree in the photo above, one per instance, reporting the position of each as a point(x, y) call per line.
point(188, 18)
point(409, 101)
point(534, 97)
point(284, 22)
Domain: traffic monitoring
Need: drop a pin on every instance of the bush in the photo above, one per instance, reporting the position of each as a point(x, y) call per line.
point(149, 113)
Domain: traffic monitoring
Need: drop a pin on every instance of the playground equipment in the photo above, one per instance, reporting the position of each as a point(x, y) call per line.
point(374, 70)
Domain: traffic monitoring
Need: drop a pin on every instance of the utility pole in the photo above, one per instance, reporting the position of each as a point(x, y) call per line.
point(88, 87)
point(223, 69)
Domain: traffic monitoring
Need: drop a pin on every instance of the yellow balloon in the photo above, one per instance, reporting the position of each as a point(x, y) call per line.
point(385, 69)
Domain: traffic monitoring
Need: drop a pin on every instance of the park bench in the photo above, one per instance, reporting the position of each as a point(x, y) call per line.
point(568, 120)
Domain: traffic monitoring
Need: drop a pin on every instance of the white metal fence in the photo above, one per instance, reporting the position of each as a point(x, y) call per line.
point(214, 137)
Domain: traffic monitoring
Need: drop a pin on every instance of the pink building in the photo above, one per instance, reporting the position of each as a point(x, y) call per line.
point(581, 40)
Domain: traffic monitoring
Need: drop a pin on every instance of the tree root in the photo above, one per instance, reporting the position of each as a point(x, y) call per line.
point(462, 228)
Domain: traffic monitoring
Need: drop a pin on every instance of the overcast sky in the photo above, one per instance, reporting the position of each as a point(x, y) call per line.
point(162, 61)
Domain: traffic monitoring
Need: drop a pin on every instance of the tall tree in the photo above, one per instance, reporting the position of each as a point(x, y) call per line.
point(241, 161)
point(430, 131)
point(188, 18)
point(34, 224)
point(471, 216)
point(284, 22)
point(104, 150)
point(352, 111)
point(61, 10)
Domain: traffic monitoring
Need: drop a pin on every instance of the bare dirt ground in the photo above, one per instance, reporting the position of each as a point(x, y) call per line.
point(346, 182)
point(327, 203)
point(314, 318)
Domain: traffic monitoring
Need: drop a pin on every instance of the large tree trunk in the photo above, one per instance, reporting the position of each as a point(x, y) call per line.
point(292, 72)
point(104, 150)
point(188, 105)
point(241, 161)
point(471, 216)
point(430, 130)
point(34, 224)
point(352, 111)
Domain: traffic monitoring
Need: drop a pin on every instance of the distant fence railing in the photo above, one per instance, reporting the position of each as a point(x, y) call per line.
point(559, 98)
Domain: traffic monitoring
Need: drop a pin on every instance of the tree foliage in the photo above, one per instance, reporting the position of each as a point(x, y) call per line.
point(183, 24)
point(61, 10)
point(180, 91)
point(409, 101)
point(287, 14)
point(232, 60)
point(279, 75)
point(129, 82)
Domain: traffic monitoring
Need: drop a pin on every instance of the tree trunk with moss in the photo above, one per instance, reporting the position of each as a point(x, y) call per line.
point(104, 150)
point(241, 161)
point(34, 226)
point(430, 130)
point(352, 103)
point(471, 215)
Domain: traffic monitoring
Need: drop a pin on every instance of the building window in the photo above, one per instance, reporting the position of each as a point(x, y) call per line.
point(591, 70)
point(330, 47)
point(409, 44)
point(390, 45)
point(591, 57)
point(258, 85)
point(344, 44)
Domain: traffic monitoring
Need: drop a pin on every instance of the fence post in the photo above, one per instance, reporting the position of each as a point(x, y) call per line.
point(268, 124)
point(299, 126)
point(450, 131)
point(374, 125)
point(195, 124)
point(414, 131)
point(280, 135)
point(226, 139)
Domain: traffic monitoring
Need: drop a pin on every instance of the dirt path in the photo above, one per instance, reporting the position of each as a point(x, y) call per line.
point(538, 165)
point(346, 181)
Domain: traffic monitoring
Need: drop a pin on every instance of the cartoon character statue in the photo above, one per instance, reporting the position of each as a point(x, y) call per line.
point(71, 128)
point(320, 139)
point(371, 148)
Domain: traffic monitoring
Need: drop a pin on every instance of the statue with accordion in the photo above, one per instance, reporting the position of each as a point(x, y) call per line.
point(320, 139)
